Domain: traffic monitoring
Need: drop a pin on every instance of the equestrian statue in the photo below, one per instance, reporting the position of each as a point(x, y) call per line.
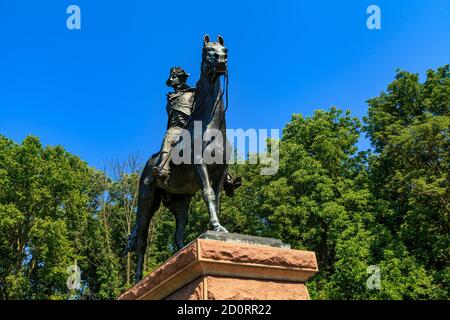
point(174, 185)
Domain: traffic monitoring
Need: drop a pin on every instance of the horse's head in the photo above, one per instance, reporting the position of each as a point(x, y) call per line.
point(215, 56)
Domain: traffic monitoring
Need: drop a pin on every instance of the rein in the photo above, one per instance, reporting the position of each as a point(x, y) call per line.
point(225, 91)
point(225, 79)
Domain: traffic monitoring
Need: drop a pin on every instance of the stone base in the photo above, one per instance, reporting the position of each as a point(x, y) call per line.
point(229, 267)
point(228, 288)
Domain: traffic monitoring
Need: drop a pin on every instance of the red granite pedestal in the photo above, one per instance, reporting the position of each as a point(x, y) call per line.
point(209, 269)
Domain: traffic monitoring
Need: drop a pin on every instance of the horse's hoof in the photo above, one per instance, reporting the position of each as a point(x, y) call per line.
point(220, 228)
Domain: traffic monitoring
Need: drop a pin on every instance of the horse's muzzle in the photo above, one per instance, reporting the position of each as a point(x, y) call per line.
point(221, 67)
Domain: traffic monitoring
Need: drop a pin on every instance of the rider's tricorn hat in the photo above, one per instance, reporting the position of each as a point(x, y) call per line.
point(179, 72)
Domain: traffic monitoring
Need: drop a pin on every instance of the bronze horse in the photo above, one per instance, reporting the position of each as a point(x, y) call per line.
point(186, 179)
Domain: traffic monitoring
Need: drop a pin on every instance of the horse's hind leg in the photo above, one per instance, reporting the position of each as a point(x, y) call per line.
point(179, 206)
point(148, 203)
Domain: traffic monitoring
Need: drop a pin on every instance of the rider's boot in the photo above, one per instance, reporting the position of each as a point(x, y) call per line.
point(161, 169)
point(231, 184)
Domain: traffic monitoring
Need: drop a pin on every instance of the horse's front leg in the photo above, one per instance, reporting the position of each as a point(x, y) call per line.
point(217, 186)
point(209, 196)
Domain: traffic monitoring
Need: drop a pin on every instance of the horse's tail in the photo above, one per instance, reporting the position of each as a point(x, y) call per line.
point(132, 242)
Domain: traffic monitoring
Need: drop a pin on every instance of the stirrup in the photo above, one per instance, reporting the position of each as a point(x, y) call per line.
point(158, 172)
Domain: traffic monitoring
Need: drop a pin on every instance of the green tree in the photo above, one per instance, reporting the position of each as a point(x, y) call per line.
point(320, 194)
point(49, 219)
point(409, 128)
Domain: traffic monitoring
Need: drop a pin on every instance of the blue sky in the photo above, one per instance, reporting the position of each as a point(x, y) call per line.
point(100, 91)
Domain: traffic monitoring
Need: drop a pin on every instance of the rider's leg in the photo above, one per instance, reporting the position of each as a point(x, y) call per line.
point(162, 165)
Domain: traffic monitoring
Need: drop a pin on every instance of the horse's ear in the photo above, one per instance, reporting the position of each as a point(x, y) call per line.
point(220, 40)
point(205, 39)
